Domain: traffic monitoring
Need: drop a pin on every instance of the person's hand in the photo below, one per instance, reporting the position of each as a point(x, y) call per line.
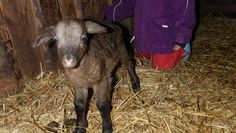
point(176, 47)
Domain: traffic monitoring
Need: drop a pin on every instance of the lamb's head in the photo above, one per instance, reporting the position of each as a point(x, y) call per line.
point(70, 36)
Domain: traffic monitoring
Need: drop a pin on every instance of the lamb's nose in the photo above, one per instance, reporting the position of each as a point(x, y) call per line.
point(68, 59)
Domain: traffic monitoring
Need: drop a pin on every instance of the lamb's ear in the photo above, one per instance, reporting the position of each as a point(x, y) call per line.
point(46, 37)
point(93, 27)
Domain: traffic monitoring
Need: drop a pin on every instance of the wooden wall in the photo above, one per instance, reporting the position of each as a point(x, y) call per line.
point(22, 25)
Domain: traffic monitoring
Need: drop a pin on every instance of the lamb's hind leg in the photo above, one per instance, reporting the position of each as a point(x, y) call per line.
point(128, 62)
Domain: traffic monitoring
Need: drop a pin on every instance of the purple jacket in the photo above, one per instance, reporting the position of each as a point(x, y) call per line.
point(159, 24)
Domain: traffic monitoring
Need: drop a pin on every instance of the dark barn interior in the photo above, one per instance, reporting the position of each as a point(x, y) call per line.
point(196, 96)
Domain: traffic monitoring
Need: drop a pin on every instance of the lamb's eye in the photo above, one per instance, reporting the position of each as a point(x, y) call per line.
point(84, 38)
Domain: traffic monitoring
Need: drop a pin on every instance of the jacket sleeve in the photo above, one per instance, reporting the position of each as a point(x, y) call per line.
point(120, 10)
point(185, 21)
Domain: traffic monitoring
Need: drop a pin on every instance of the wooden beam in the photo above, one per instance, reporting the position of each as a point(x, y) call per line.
point(71, 8)
point(9, 80)
point(88, 8)
point(50, 11)
point(97, 9)
point(23, 21)
point(83, 8)
point(79, 8)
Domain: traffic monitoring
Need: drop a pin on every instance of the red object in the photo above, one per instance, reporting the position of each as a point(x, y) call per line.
point(164, 61)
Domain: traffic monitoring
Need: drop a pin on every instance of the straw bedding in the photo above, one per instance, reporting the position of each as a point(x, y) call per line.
point(196, 96)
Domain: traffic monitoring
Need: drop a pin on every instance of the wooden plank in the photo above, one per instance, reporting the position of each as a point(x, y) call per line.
point(83, 8)
point(71, 8)
point(9, 80)
point(97, 9)
point(79, 8)
point(9, 74)
point(23, 21)
point(51, 12)
point(88, 8)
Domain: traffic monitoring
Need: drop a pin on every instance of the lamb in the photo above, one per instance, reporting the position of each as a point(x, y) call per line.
point(90, 52)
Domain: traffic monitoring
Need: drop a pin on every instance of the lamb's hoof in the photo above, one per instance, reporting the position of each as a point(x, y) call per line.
point(136, 86)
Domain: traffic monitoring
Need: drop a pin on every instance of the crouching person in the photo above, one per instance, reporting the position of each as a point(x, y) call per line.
point(163, 28)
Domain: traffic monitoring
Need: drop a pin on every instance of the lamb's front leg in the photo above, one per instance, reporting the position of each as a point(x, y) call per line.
point(81, 109)
point(103, 95)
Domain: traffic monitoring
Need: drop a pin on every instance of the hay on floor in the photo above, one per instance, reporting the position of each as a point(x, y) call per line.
point(196, 96)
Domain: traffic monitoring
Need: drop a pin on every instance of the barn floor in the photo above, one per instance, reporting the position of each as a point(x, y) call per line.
point(197, 96)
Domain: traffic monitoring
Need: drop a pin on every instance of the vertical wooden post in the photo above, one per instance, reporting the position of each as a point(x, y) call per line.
point(88, 8)
point(83, 8)
point(50, 11)
point(9, 78)
point(23, 20)
point(71, 8)
point(97, 10)
point(79, 8)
